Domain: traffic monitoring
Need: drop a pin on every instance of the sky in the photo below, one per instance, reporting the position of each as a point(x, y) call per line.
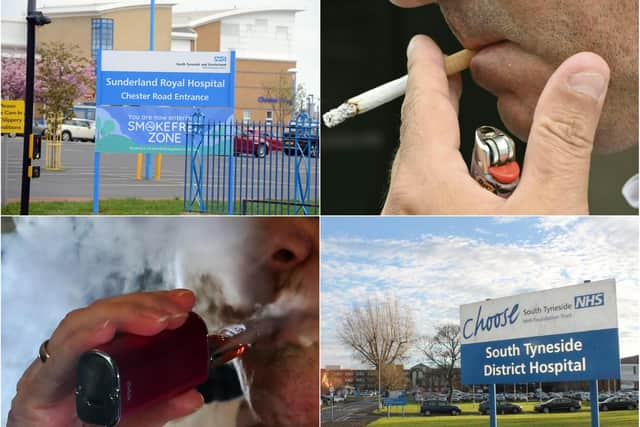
point(433, 265)
point(307, 31)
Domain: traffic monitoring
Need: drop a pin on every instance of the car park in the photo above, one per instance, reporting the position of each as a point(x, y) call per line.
point(501, 408)
point(430, 407)
point(80, 129)
point(616, 403)
point(558, 404)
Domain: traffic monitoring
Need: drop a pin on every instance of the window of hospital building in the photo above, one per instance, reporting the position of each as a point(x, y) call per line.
point(269, 119)
point(246, 117)
point(261, 25)
point(282, 32)
point(101, 35)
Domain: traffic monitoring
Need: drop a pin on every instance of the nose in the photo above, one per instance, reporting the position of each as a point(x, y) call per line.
point(412, 3)
point(291, 243)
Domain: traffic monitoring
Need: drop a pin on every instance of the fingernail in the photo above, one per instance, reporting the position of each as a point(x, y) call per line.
point(179, 315)
point(411, 46)
point(588, 83)
point(181, 292)
point(155, 316)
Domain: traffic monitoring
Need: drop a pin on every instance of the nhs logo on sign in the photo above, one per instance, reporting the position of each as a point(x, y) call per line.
point(589, 300)
point(220, 60)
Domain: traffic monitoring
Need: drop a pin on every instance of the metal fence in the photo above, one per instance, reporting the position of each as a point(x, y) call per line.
point(252, 169)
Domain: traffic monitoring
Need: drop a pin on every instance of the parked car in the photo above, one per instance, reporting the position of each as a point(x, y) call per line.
point(249, 142)
point(502, 408)
point(558, 404)
point(82, 129)
point(439, 407)
point(614, 403)
point(307, 138)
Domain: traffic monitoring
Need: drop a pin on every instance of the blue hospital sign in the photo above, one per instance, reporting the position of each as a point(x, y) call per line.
point(177, 79)
point(145, 99)
point(562, 334)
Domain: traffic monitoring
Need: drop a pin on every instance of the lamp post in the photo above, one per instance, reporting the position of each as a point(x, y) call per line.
point(34, 19)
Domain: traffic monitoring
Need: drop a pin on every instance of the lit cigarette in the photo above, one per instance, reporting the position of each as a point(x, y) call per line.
point(381, 95)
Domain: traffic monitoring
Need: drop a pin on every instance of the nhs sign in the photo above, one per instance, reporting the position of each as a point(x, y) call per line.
point(563, 334)
point(591, 300)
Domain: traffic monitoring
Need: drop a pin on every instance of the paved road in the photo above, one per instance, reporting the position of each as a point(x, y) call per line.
point(351, 414)
point(118, 175)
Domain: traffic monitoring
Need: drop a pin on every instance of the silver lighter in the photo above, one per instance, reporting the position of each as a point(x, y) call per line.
point(493, 162)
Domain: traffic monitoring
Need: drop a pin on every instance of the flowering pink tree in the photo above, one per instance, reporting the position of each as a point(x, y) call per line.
point(13, 76)
point(62, 77)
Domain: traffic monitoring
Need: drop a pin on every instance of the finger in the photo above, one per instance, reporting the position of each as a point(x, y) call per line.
point(411, 3)
point(160, 414)
point(429, 111)
point(558, 156)
point(155, 304)
point(87, 328)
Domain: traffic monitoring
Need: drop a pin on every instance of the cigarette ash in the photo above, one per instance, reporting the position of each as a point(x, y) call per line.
point(338, 115)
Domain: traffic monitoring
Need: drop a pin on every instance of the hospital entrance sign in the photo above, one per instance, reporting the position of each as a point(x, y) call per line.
point(562, 334)
point(145, 99)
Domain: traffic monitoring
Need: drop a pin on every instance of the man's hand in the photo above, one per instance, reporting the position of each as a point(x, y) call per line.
point(429, 175)
point(44, 395)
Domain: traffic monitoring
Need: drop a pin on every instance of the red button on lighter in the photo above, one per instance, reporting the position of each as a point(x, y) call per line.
point(132, 372)
point(493, 163)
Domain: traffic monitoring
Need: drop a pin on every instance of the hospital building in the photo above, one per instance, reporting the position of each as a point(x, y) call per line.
point(263, 39)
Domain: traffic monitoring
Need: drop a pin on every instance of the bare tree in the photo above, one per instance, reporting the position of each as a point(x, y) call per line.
point(379, 332)
point(278, 94)
point(393, 377)
point(443, 351)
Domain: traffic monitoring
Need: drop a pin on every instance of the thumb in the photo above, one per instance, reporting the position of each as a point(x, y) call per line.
point(558, 157)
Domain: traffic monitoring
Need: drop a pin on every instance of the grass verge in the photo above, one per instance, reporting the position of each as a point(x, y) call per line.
point(150, 207)
point(471, 418)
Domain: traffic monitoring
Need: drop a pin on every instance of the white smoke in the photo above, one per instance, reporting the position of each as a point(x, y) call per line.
point(51, 265)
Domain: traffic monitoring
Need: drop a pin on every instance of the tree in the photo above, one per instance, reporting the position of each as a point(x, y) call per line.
point(392, 377)
point(14, 69)
point(278, 94)
point(379, 332)
point(443, 351)
point(64, 77)
point(61, 77)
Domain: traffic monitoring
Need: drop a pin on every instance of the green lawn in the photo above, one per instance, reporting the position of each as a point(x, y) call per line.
point(471, 418)
point(146, 207)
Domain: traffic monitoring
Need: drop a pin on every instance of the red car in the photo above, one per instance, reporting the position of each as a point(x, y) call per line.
point(249, 142)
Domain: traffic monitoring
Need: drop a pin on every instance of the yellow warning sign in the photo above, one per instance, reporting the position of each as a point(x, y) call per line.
point(12, 116)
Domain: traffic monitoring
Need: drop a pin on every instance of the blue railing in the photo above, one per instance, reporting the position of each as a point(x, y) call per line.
point(252, 168)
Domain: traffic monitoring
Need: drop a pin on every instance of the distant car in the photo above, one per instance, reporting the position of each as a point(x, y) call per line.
point(327, 399)
point(249, 142)
point(614, 403)
point(502, 408)
point(82, 129)
point(558, 404)
point(301, 140)
point(439, 407)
